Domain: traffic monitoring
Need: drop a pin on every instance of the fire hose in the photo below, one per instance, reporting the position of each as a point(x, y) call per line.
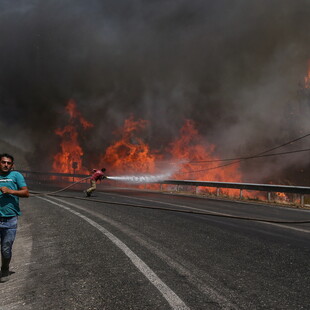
point(32, 193)
point(166, 209)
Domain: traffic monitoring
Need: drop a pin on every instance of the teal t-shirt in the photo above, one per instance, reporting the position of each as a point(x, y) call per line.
point(9, 204)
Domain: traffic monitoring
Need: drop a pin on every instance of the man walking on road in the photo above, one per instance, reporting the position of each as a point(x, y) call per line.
point(97, 175)
point(12, 186)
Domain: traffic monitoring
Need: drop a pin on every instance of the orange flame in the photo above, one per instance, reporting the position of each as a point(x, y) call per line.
point(282, 197)
point(75, 114)
point(69, 159)
point(201, 163)
point(130, 154)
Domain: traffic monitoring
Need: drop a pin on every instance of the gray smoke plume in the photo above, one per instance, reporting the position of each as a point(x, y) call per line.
point(234, 67)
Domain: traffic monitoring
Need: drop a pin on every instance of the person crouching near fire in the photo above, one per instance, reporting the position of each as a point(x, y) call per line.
point(97, 175)
point(12, 186)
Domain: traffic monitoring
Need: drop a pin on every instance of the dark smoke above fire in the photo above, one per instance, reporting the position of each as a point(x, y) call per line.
point(235, 68)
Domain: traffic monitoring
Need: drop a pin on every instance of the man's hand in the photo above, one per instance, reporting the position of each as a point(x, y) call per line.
point(5, 190)
point(22, 192)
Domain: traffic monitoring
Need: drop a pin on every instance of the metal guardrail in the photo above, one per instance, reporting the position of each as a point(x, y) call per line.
point(269, 188)
point(249, 186)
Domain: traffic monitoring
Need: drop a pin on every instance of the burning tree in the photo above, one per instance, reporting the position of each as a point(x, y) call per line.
point(69, 159)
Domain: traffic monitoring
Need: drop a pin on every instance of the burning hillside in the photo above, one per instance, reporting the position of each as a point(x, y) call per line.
point(130, 155)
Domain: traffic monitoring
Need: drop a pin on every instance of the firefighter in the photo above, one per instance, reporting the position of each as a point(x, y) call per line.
point(97, 175)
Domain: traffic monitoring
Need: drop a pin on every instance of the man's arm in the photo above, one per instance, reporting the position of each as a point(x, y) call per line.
point(22, 192)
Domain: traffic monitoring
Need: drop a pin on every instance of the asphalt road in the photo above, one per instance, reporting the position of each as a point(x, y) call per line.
point(123, 249)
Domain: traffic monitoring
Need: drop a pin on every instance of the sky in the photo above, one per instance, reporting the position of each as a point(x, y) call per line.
point(234, 67)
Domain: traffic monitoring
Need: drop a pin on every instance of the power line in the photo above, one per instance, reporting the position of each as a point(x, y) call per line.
point(238, 160)
point(251, 156)
point(266, 155)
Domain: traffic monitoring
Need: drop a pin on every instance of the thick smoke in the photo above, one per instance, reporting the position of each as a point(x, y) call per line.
point(235, 67)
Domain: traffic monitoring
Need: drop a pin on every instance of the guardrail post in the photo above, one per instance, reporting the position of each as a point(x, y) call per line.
point(217, 191)
point(241, 194)
point(268, 196)
point(196, 190)
point(161, 187)
point(178, 188)
point(302, 200)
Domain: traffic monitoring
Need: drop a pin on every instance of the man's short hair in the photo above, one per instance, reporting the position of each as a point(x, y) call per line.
point(103, 169)
point(8, 156)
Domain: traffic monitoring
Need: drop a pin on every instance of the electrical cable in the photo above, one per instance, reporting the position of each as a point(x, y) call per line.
point(245, 158)
point(238, 160)
point(249, 157)
point(258, 155)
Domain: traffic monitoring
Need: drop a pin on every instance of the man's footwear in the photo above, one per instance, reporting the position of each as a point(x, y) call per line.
point(87, 193)
point(5, 269)
point(5, 275)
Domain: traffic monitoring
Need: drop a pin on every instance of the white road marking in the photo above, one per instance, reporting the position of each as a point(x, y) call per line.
point(208, 286)
point(289, 227)
point(172, 298)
